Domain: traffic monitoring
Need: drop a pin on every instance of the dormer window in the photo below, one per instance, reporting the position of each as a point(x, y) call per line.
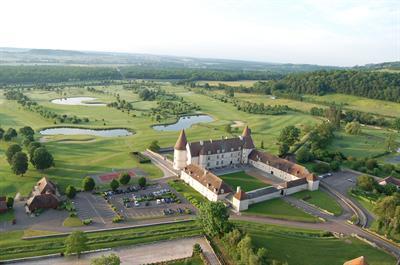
point(218, 151)
point(209, 152)
point(231, 149)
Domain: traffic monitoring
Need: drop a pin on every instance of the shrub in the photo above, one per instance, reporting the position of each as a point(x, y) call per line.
point(140, 158)
point(10, 202)
point(124, 178)
point(197, 249)
point(142, 182)
point(87, 221)
point(303, 155)
point(365, 182)
point(154, 146)
point(117, 219)
point(70, 191)
point(88, 184)
point(334, 165)
point(114, 185)
point(321, 168)
point(72, 214)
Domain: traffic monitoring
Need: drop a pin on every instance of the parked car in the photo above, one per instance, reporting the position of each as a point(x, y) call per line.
point(137, 204)
point(158, 201)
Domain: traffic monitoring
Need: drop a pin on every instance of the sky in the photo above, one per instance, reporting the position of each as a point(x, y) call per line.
point(326, 32)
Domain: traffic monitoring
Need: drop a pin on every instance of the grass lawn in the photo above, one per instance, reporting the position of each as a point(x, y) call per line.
point(12, 246)
point(311, 247)
point(362, 104)
point(186, 190)
point(196, 260)
point(72, 222)
point(369, 143)
point(279, 209)
point(320, 199)
point(245, 181)
point(78, 156)
point(7, 216)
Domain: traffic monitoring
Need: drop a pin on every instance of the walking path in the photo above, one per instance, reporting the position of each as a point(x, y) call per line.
point(142, 254)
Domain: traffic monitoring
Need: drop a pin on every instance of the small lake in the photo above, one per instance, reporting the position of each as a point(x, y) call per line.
point(183, 123)
point(81, 101)
point(79, 131)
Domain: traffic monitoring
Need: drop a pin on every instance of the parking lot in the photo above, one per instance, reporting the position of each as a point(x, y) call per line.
point(342, 181)
point(89, 206)
point(155, 201)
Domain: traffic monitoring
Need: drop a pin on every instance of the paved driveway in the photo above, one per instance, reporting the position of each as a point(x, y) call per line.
point(143, 254)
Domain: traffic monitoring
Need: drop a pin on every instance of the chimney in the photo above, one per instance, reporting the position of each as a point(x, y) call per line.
point(201, 142)
point(210, 140)
point(238, 189)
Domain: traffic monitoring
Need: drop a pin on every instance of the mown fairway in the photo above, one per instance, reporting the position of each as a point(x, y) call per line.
point(381, 107)
point(309, 247)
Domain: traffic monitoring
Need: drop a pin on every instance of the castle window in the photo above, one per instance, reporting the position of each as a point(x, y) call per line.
point(223, 157)
point(217, 162)
point(208, 164)
point(208, 158)
point(231, 155)
point(217, 156)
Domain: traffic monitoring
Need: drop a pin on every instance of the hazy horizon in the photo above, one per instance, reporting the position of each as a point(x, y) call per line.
point(338, 33)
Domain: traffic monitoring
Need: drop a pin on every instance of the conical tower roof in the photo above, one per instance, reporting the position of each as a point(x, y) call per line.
point(246, 131)
point(248, 141)
point(357, 261)
point(181, 142)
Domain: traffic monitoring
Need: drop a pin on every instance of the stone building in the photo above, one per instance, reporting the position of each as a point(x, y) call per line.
point(197, 160)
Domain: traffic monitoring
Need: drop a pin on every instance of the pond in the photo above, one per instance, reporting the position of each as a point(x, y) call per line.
point(79, 131)
point(81, 101)
point(183, 123)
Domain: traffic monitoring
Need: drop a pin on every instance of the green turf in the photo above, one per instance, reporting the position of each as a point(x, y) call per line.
point(320, 199)
point(362, 104)
point(186, 190)
point(12, 246)
point(7, 216)
point(196, 260)
point(78, 156)
point(309, 247)
point(72, 222)
point(279, 209)
point(245, 181)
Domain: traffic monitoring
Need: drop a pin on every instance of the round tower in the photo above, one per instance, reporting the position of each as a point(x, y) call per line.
point(180, 153)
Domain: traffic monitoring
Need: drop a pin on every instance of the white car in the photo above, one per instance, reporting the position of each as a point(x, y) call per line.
point(158, 201)
point(137, 204)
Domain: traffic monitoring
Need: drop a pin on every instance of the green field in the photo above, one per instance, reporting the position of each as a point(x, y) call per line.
point(245, 181)
point(196, 260)
point(381, 107)
point(245, 83)
point(78, 156)
point(279, 209)
point(310, 247)
point(12, 246)
point(370, 142)
point(320, 199)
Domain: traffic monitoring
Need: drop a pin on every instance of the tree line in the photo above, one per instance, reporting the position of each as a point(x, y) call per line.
point(33, 106)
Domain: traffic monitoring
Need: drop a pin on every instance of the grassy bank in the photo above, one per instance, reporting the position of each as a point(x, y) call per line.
point(12, 246)
point(321, 200)
point(279, 209)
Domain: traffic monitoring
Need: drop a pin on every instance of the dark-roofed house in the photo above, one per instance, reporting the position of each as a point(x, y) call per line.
point(196, 159)
point(44, 196)
point(390, 180)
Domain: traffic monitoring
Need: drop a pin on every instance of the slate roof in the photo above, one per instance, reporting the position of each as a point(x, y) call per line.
point(46, 186)
point(181, 142)
point(391, 180)
point(282, 164)
point(208, 179)
point(215, 146)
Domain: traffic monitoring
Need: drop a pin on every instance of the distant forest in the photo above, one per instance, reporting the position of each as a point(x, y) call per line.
point(372, 84)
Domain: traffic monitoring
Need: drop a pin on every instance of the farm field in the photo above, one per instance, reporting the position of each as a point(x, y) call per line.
point(320, 199)
point(245, 181)
point(279, 209)
point(291, 244)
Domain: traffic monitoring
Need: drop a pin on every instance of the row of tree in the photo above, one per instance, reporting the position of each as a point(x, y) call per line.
point(33, 106)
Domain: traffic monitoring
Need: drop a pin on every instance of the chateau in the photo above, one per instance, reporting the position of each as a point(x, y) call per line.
point(196, 162)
